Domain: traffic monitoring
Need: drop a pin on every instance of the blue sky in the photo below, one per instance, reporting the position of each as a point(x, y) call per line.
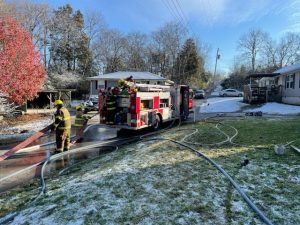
point(219, 23)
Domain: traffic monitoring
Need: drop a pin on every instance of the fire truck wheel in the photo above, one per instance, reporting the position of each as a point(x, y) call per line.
point(157, 124)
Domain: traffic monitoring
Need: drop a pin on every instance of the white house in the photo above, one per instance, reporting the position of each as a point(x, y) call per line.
point(289, 79)
point(111, 80)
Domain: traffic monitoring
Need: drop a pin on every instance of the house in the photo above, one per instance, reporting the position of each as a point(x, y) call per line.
point(289, 80)
point(111, 80)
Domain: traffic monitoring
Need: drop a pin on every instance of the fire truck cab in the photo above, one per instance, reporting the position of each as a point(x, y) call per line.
point(146, 105)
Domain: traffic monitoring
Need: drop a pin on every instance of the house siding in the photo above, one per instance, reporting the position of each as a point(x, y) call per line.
point(291, 95)
point(95, 90)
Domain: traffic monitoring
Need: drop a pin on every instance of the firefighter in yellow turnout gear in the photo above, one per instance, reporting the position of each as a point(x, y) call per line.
point(62, 126)
point(80, 119)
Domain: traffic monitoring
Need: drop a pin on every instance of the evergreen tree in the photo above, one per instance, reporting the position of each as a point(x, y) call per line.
point(189, 67)
point(69, 45)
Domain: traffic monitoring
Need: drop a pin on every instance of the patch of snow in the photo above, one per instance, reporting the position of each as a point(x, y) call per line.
point(32, 126)
point(277, 108)
point(234, 104)
point(14, 132)
point(294, 179)
point(238, 206)
point(221, 105)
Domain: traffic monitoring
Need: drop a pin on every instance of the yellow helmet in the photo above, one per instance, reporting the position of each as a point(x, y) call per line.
point(78, 107)
point(58, 102)
point(121, 82)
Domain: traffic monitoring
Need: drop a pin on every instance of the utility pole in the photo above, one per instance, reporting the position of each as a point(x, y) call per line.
point(217, 57)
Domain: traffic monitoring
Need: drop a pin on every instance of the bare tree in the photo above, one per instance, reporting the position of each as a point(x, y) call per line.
point(31, 16)
point(165, 45)
point(94, 23)
point(288, 49)
point(136, 51)
point(269, 53)
point(34, 18)
point(7, 9)
point(110, 49)
point(250, 44)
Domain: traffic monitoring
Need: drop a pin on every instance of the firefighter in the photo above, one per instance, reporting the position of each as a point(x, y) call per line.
point(80, 119)
point(130, 79)
point(101, 104)
point(62, 126)
point(111, 107)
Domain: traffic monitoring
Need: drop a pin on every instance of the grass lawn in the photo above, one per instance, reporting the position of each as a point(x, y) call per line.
point(163, 183)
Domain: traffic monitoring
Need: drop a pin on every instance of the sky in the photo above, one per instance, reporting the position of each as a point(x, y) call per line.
point(218, 23)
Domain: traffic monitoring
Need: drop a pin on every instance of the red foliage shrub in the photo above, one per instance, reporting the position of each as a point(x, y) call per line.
point(21, 72)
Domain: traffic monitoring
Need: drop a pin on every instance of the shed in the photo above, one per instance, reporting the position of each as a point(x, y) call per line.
point(46, 98)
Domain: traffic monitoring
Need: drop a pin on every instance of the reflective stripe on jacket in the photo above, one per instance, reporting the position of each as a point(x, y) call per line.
point(62, 119)
point(80, 120)
point(111, 103)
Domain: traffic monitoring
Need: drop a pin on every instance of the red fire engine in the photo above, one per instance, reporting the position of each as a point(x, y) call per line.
point(147, 106)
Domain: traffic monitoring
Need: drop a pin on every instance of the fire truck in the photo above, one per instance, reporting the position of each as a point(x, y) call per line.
point(147, 106)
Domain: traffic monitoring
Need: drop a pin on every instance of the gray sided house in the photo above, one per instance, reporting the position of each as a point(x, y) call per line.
point(111, 80)
point(289, 79)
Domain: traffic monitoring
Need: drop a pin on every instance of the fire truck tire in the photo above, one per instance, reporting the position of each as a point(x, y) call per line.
point(157, 124)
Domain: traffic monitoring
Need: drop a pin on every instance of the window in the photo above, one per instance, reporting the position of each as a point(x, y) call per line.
point(290, 81)
point(164, 103)
point(96, 84)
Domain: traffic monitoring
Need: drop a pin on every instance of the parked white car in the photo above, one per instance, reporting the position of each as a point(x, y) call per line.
point(90, 105)
point(199, 94)
point(231, 93)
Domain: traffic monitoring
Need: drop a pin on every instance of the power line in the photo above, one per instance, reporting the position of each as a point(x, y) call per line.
point(180, 8)
point(172, 12)
point(185, 17)
point(178, 12)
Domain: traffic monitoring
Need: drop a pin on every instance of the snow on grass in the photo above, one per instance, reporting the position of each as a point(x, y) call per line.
point(234, 104)
point(277, 108)
point(220, 104)
point(29, 126)
point(162, 183)
point(274, 193)
point(13, 132)
point(153, 183)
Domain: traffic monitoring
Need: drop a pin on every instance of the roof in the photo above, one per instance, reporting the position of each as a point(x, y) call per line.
point(288, 69)
point(123, 75)
point(261, 75)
